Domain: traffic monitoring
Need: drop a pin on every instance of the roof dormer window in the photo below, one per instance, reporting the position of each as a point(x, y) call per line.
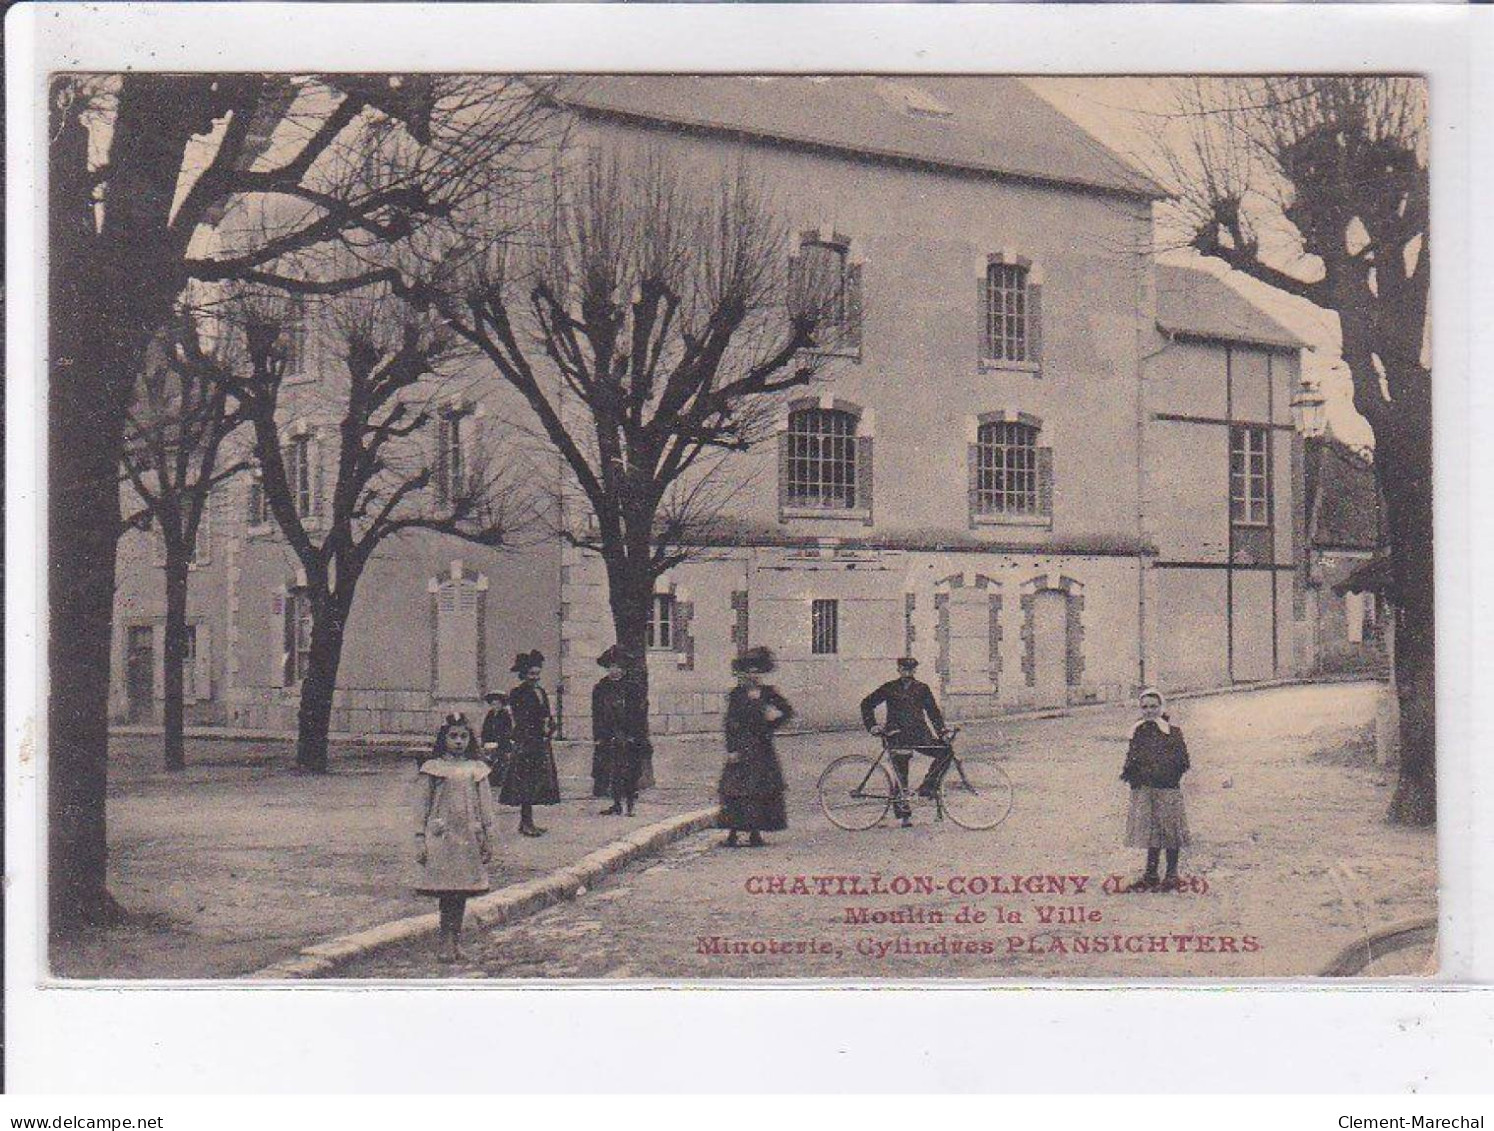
point(911, 99)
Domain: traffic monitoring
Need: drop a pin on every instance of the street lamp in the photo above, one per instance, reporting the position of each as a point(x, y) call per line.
point(1308, 414)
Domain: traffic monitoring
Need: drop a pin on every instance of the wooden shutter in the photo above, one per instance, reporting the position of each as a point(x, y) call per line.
point(972, 480)
point(443, 460)
point(283, 609)
point(158, 651)
point(739, 628)
point(202, 669)
point(202, 551)
point(256, 513)
point(314, 455)
point(684, 639)
point(1035, 324)
point(864, 476)
point(983, 315)
point(1045, 481)
point(783, 473)
point(853, 307)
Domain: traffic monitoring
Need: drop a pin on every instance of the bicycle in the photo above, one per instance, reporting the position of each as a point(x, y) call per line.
point(857, 791)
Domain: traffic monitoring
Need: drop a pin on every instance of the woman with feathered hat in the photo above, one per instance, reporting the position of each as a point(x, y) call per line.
point(752, 784)
point(619, 754)
point(532, 779)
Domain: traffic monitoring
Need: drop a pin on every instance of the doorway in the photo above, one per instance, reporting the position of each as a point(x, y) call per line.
point(1050, 650)
point(140, 673)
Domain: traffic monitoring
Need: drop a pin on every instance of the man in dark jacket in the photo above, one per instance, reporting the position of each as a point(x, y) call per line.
point(910, 710)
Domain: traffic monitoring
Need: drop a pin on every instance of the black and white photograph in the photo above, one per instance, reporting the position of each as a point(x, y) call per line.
point(730, 526)
point(482, 502)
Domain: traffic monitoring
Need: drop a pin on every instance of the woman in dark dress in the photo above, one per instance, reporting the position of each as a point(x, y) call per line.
point(617, 754)
point(752, 784)
point(532, 779)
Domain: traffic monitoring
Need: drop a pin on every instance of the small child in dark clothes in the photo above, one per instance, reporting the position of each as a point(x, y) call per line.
point(1156, 761)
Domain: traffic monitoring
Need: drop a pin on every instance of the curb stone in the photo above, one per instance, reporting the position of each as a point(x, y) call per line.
point(496, 909)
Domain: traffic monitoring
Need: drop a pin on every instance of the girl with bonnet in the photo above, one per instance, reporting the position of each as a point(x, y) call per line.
point(1156, 761)
point(454, 826)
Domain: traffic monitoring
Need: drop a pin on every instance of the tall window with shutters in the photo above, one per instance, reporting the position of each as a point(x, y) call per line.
point(822, 455)
point(301, 474)
point(296, 625)
point(451, 471)
point(823, 277)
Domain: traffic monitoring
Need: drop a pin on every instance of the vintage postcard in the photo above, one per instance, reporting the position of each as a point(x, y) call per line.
point(617, 527)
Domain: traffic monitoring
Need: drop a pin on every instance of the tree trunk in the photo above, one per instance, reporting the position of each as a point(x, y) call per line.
point(1404, 453)
point(84, 517)
point(174, 661)
point(108, 292)
point(630, 593)
point(328, 626)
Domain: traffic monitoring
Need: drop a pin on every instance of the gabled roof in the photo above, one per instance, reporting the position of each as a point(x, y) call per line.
point(1195, 304)
point(980, 124)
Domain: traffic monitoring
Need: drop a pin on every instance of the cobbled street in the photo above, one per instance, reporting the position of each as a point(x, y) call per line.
point(1292, 860)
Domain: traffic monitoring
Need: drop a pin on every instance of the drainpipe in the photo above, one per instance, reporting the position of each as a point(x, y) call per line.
point(1144, 325)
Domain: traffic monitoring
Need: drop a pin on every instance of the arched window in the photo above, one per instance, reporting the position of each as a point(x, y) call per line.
point(822, 459)
point(1006, 469)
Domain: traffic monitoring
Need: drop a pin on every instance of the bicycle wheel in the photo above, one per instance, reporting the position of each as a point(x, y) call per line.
point(855, 792)
point(977, 793)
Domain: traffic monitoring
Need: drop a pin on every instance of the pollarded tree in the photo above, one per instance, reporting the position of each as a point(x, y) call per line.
point(650, 329)
point(1319, 186)
point(397, 466)
point(175, 430)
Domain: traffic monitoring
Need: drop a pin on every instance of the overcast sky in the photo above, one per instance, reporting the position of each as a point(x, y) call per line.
point(1121, 112)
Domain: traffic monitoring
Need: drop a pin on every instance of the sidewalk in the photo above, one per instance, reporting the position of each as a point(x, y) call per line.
point(241, 861)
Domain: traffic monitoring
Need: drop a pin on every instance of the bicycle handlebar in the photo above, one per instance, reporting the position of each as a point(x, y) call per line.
point(948, 735)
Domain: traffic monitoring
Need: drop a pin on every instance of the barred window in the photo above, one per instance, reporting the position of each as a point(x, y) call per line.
point(1007, 312)
point(1006, 478)
point(822, 458)
point(661, 621)
point(824, 627)
point(1249, 476)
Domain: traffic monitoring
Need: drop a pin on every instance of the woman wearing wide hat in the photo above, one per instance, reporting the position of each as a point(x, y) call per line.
point(752, 784)
point(532, 779)
point(618, 754)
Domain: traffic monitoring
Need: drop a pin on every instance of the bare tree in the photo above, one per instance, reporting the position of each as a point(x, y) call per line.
point(1319, 186)
point(174, 431)
point(398, 467)
point(649, 328)
point(143, 169)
